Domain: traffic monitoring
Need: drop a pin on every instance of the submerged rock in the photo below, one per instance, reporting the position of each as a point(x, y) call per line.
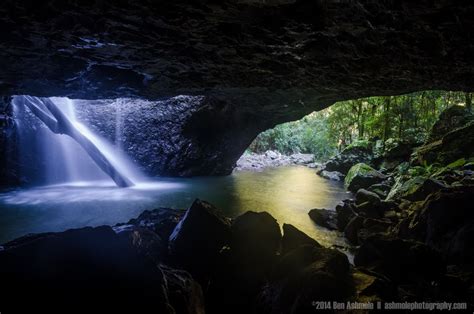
point(362, 176)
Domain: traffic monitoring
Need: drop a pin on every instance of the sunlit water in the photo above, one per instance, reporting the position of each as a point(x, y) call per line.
point(288, 193)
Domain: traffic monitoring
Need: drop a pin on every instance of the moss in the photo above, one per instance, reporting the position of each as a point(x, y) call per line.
point(402, 187)
point(417, 171)
point(362, 170)
point(360, 144)
point(457, 164)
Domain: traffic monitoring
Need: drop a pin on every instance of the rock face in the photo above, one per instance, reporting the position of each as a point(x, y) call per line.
point(254, 62)
point(164, 138)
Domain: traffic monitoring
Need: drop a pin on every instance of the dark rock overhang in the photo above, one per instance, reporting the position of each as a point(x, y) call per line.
point(297, 53)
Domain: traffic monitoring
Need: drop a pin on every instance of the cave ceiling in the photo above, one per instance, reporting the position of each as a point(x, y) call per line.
point(268, 56)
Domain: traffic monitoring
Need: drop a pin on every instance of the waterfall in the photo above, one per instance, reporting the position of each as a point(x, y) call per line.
point(55, 147)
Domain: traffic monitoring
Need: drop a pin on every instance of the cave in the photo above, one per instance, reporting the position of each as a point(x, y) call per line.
point(240, 156)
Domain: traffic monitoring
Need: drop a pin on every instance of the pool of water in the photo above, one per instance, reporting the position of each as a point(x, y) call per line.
point(288, 193)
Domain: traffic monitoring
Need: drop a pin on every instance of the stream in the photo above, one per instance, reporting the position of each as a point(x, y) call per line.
point(288, 193)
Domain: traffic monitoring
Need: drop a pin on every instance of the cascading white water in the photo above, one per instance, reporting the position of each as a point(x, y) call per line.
point(58, 158)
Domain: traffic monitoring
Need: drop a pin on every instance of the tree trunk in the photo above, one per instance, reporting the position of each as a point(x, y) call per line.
point(386, 126)
point(468, 101)
point(59, 123)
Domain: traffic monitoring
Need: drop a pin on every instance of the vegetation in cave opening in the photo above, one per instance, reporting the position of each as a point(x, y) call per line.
point(406, 118)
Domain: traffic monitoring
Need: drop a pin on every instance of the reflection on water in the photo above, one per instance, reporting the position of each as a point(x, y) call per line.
point(288, 193)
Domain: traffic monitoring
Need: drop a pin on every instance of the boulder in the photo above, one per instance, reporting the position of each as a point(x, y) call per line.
point(245, 266)
point(93, 264)
point(304, 275)
point(443, 221)
point(450, 119)
point(362, 176)
point(293, 238)
point(415, 189)
point(372, 287)
point(255, 237)
point(368, 209)
point(380, 189)
point(324, 218)
point(400, 260)
point(146, 242)
point(351, 155)
point(363, 196)
point(331, 175)
point(345, 212)
point(352, 229)
point(458, 143)
point(396, 152)
point(197, 239)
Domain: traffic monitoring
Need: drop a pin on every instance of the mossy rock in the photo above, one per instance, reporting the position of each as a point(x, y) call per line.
point(362, 176)
point(415, 189)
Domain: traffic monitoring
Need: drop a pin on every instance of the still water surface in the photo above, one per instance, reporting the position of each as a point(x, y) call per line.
point(288, 193)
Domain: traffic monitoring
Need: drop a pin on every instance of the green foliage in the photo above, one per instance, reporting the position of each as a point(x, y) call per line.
point(389, 119)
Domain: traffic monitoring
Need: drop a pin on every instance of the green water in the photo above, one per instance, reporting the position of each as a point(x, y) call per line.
point(288, 193)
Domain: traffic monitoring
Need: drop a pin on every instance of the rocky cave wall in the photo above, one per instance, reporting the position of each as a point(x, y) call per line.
point(256, 63)
point(183, 135)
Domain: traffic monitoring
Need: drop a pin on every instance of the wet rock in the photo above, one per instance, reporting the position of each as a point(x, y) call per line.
point(362, 176)
point(197, 239)
point(400, 260)
point(293, 238)
point(303, 275)
point(324, 218)
point(331, 175)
